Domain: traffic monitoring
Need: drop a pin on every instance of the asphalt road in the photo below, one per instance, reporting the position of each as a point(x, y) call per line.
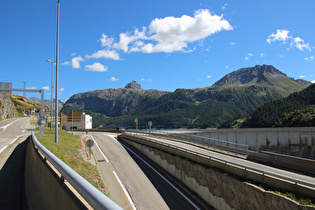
point(140, 187)
point(12, 132)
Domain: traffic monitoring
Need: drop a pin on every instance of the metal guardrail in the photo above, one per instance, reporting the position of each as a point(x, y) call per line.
point(207, 140)
point(214, 141)
point(93, 196)
point(286, 178)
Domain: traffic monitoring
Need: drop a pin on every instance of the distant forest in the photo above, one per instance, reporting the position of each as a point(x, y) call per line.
point(296, 110)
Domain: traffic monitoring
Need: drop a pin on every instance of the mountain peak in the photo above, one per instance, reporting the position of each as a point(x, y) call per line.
point(264, 74)
point(133, 85)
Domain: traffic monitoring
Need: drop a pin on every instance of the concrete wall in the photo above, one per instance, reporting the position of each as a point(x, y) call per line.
point(295, 141)
point(43, 188)
point(213, 181)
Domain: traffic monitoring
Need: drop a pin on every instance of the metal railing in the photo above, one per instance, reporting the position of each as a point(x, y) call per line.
point(197, 139)
point(263, 172)
point(93, 196)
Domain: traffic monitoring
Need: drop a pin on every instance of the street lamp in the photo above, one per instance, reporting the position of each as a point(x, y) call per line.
point(52, 87)
point(57, 63)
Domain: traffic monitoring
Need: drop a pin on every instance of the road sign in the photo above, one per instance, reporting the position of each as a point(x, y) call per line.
point(150, 124)
point(41, 121)
point(89, 143)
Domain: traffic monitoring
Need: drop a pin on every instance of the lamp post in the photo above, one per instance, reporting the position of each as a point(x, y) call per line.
point(52, 87)
point(57, 59)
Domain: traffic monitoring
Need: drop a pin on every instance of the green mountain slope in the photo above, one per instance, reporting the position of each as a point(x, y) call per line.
point(235, 95)
point(294, 110)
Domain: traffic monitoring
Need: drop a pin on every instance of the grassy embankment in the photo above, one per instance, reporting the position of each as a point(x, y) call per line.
point(67, 150)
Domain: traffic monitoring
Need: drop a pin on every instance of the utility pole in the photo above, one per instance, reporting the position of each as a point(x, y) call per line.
point(24, 94)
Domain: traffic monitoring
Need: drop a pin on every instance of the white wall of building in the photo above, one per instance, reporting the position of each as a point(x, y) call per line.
point(86, 123)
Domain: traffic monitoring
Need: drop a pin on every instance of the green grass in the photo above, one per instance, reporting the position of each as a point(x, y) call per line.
point(67, 150)
point(292, 196)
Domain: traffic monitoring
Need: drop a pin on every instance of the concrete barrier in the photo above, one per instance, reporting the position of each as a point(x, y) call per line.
point(27, 182)
point(294, 141)
point(222, 185)
point(43, 187)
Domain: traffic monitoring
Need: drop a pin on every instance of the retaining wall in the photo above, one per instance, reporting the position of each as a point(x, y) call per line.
point(28, 182)
point(211, 181)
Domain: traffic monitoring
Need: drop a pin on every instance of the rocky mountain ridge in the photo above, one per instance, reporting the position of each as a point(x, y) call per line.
point(236, 94)
point(47, 101)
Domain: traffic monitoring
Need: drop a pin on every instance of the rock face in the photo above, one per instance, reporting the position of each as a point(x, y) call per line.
point(133, 85)
point(7, 108)
point(113, 102)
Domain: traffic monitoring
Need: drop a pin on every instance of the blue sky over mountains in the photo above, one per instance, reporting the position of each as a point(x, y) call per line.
point(162, 45)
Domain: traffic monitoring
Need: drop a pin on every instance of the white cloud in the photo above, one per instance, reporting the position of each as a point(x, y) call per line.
point(113, 79)
point(145, 80)
point(281, 35)
point(313, 81)
point(96, 67)
point(226, 67)
point(262, 55)
point(111, 54)
point(61, 89)
point(106, 42)
point(45, 88)
point(169, 34)
point(126, 39)
point(249, 55)
point(310, 58)
point(299, 43)
point(208, 76)
point(31, 88)
point(75, 62)
point(301, 76)
point(224, 6)
point(172, 34)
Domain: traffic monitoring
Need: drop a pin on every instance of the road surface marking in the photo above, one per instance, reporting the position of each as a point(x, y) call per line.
point(100, 150)
point(17, 138)
point(125, 191)
point(182, 194)
point(5, 127)
point(3, 149)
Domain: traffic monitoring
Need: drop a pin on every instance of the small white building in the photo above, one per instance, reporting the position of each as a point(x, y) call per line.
point(76, 121)
point(87, 121)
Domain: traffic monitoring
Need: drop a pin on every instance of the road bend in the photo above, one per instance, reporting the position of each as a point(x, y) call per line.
point(12, 132)
point(133, 183)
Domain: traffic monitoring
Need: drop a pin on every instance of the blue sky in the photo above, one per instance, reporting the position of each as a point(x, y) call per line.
point(164, 45)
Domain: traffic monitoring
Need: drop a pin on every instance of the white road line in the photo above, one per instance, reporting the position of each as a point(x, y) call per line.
point(3, 149)
point(100, 150)
point(122, 186)
point(17, 138)
point(182, 194)
point(5, 127)
point(125, 191)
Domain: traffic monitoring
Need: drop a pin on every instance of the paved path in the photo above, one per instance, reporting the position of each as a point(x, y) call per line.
point(12, 132)
point(125, 182)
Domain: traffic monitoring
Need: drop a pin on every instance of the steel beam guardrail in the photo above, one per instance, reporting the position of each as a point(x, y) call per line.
point(93, 196)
